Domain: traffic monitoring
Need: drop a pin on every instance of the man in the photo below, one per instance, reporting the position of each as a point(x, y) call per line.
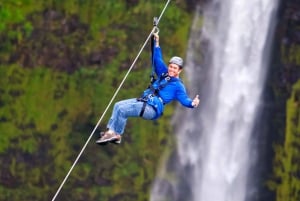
point(150, 105)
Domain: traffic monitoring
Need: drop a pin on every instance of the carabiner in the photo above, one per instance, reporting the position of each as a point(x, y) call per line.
point(155, 30)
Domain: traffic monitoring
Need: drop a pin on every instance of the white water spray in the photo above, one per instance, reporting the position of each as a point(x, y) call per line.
point(214, 143)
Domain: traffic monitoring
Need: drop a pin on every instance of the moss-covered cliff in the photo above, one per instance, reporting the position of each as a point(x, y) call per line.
point(285, 80)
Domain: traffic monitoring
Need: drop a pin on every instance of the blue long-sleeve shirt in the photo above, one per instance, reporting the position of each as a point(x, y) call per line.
point(174, 90)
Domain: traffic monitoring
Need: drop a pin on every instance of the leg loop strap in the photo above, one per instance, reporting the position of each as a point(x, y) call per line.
point(143, 109)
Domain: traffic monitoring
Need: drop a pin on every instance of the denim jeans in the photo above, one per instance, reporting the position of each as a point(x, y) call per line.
point(128, 108)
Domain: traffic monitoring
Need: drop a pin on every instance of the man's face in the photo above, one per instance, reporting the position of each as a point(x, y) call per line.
point(173, 70)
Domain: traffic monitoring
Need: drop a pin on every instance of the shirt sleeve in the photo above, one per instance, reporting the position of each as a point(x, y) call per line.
point(182, 96)
point(159, 65)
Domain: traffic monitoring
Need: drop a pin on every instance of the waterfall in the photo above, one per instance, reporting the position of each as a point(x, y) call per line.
point(215, 143)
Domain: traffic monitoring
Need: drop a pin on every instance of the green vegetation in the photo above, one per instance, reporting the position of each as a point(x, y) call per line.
point(287, 157)
point(61, 61)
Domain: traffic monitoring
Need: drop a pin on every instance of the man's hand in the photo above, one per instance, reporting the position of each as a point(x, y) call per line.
point(156, 38)
point(196, 101)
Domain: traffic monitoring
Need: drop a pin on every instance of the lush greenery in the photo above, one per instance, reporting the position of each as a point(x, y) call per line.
point(61, 61)
point(287, 158)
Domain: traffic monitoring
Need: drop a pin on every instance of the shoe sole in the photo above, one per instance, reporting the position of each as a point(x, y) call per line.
point(111, 140)
point(101, 143)
point(115, 141)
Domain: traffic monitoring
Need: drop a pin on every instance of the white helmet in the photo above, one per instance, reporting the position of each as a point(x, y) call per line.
point(176, 60)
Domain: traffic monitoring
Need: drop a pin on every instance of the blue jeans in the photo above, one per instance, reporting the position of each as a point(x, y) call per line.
point(128, 108)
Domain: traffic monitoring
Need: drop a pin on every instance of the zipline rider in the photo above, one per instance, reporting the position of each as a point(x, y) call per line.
point(150, 105)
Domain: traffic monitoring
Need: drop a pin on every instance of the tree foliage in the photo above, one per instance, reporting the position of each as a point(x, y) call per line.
point(286, 180)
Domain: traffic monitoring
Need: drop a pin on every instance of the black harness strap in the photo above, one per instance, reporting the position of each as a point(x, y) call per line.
point(152, 76)
point(143, 109)
point(166, 78)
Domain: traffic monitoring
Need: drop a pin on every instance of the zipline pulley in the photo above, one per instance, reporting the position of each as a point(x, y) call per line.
point(155, 23)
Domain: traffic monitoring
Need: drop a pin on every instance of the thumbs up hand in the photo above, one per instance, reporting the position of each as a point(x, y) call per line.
point(196, 101)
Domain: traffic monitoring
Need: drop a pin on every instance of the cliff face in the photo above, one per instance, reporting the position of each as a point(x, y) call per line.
point(284, 83)
point(288, 35)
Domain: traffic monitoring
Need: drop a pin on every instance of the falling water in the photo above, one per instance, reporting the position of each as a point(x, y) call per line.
point(215, 142)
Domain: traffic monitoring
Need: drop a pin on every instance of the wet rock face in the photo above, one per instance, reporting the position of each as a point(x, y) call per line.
point(288, 36)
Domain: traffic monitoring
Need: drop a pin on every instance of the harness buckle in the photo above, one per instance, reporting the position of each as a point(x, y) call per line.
point(150, 96)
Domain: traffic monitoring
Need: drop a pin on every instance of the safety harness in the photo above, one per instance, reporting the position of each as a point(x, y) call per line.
point(153, 90)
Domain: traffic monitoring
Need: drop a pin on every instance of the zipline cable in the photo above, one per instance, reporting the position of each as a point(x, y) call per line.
point(155, 29)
